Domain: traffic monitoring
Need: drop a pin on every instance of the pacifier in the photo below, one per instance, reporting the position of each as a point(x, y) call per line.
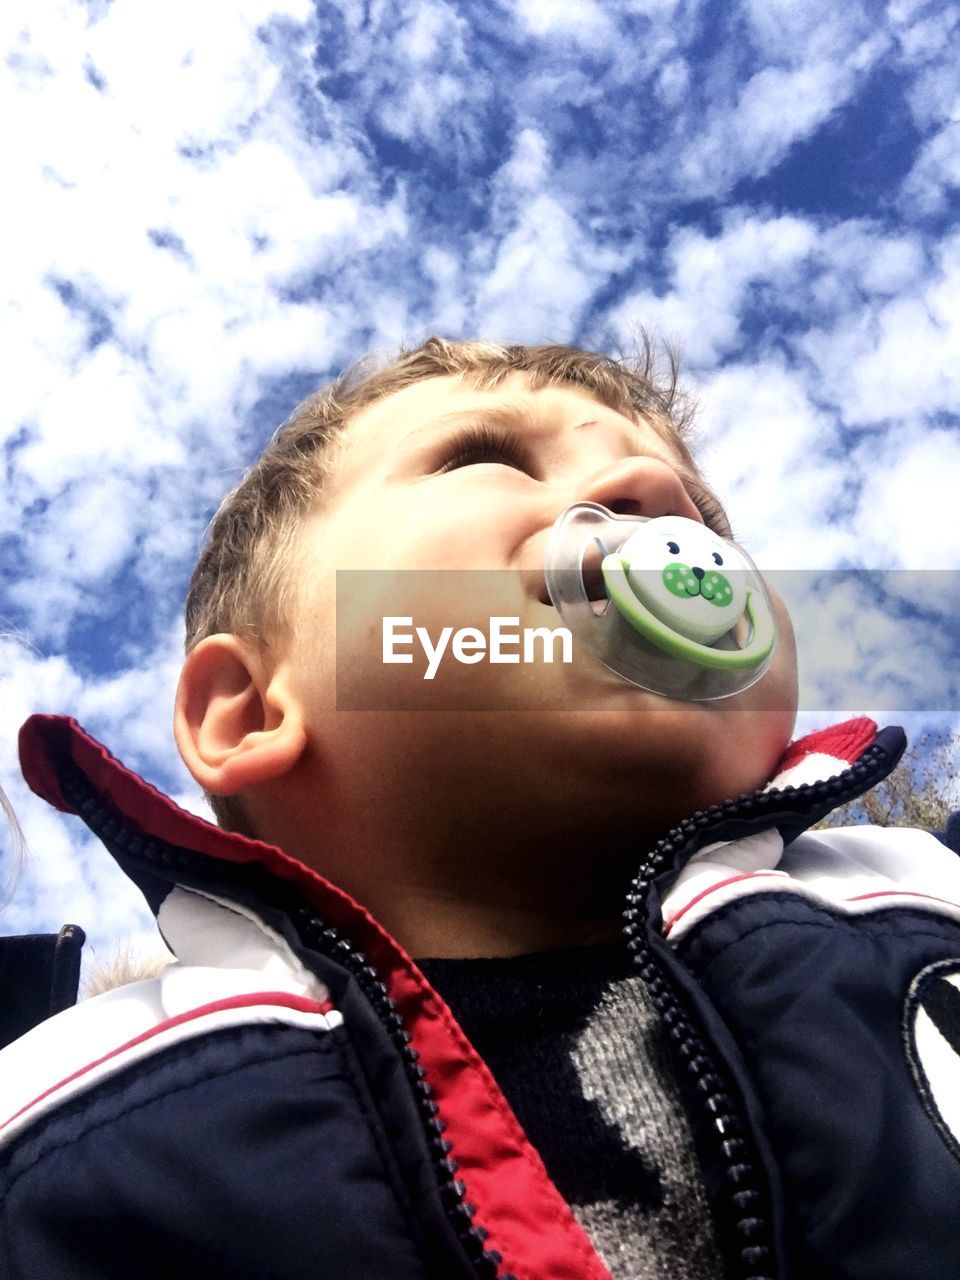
point(665, 603)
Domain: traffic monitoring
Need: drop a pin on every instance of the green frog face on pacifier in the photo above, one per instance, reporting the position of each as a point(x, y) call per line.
point(689, 578)
point(664, 603)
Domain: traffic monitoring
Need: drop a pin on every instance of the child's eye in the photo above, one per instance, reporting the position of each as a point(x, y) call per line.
point(481, 443)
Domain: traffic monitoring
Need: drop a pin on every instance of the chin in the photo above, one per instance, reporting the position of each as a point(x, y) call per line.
point(740, 751)
point(683, 756)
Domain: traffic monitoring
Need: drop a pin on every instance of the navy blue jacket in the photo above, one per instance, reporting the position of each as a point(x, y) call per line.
point(291, 1099)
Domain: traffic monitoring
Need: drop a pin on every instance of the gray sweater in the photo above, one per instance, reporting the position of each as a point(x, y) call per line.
point(573, 1042)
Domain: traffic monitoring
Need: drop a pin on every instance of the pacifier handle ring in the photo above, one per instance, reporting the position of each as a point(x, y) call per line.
point(669, 641)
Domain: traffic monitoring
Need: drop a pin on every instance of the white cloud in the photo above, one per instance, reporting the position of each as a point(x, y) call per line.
point(776, 108)
point(537, 275)
point(855, 257)
point(861, 638)
point(907, 514)
point(676, 12)
point(528, 169)
point(935, 173)
point(929, 43)
point(544, 273)
point(875, 345)
point(776, 461)
point(134, 704)
point(513, 299)
point(924, 31)
point(66, 875)
point(434, 97)
point(209, 199)
point(166, 210)
point(69, 878)
point(413, 69)
point(709, 276)
point(798, 31)
point(901, 355)
point(91, 421)
point(673, 82)
point(579, 22)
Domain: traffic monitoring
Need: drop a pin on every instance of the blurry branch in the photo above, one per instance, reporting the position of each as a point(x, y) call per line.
point(124, 964)
point(917, 794)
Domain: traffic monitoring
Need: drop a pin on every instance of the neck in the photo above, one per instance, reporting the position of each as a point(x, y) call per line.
point(465, 901)
point(444, 925)
point(485, 885)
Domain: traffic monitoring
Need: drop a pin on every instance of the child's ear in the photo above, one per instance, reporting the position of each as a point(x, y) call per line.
point(235, 721)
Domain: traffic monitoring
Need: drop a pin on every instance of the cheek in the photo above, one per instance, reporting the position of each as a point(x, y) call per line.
point(771, 705)
point(783, 672)
point(308, 650)
point(401, 639)
point(743, 738)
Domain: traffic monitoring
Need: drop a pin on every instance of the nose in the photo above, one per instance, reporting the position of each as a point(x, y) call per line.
point(697, 572)
point(634, 486)
point(639, 486)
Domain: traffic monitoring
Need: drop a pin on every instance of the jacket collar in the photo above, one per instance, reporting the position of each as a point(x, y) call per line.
point(56, 754)
point(160, 845)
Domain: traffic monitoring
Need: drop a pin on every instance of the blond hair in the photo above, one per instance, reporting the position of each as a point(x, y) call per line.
point(242, 581)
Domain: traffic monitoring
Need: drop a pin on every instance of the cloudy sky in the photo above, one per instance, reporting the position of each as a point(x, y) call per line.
point(210, 209)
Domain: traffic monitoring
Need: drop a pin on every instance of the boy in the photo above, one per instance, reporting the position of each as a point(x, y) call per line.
point(757, 1084)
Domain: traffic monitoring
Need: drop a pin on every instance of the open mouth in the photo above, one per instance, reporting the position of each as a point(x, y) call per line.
point(593, 580)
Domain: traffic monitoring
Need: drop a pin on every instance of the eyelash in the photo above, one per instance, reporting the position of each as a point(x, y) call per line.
point(481, 443)
point(712, 513)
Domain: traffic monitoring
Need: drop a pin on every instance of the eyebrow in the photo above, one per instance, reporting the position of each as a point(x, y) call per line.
point(513, 416)
point(508, 415)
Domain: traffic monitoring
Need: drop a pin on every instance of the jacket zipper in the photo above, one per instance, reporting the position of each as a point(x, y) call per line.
point(745, 1196)
point(332, 944)
point(328, 940)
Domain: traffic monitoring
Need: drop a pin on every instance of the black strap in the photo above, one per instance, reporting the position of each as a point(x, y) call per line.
point(39, 976)
point(951, 834)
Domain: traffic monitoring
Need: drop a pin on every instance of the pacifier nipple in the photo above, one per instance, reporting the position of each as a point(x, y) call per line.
point(682, 612)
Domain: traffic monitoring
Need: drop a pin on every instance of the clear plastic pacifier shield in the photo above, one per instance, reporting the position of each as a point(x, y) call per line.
point(665, 603)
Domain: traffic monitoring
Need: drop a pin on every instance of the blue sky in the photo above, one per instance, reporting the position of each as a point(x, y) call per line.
point(211, 209)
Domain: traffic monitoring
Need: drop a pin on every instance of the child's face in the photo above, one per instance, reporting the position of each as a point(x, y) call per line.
point(418, 488)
